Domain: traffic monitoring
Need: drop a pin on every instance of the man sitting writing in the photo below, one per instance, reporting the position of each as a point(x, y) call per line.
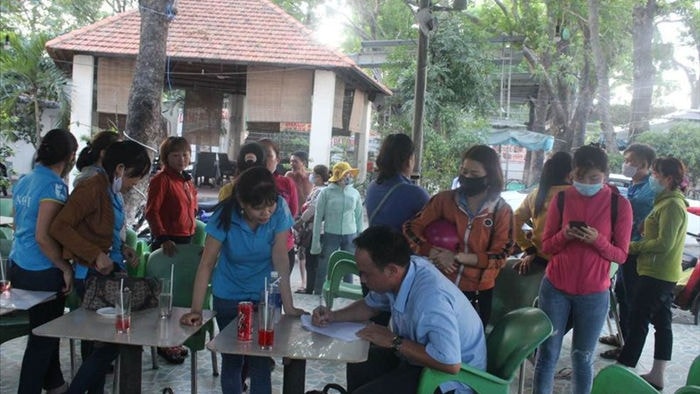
point(432, 322)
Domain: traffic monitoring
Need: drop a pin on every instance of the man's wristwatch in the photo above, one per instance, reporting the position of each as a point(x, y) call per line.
point(396, 342)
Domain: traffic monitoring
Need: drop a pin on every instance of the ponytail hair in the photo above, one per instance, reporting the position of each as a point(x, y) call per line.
point(91, 153)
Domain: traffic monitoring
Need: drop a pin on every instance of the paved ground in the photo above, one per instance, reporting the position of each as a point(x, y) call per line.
point(685, 348)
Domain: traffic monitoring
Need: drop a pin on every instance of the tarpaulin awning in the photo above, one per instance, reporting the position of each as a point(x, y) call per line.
point(527, 139)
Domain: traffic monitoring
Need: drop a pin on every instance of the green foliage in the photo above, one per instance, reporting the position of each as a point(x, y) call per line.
point(29, 83)
point(681, 141)
point(442, 154)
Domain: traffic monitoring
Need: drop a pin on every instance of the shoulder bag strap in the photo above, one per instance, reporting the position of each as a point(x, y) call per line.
point(381, 203)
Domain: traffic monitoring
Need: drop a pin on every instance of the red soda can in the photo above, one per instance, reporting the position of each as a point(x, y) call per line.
point(245, 321)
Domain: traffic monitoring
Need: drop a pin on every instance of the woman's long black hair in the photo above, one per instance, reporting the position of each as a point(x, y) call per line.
point(255, 187)
point(555, 172)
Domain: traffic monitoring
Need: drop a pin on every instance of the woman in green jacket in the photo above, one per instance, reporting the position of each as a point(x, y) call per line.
point(659, 267)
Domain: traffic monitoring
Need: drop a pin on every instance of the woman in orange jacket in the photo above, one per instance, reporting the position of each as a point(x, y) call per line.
point(483, 222)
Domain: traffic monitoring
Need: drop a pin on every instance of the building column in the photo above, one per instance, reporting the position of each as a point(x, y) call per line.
point(322, 118)
point(237, 131)
point(363, 146)
point(81, 108)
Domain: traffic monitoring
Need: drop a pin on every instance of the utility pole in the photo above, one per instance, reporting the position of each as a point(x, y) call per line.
point(419, 97)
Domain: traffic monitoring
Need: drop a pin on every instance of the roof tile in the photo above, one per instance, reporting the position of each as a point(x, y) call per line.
point(229, 31)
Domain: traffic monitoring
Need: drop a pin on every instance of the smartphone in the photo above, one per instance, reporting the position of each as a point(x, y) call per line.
point(577, 224)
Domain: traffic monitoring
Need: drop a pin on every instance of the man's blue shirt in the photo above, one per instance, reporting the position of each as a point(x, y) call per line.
point(432, 311)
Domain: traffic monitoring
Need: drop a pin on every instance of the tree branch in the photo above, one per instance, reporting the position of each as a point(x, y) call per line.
point(549, 84)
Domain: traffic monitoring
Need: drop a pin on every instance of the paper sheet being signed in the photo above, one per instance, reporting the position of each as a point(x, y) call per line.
point(345, 331)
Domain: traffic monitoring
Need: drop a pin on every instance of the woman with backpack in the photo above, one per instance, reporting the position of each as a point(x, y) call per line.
point(483, 222)
point(582, 239)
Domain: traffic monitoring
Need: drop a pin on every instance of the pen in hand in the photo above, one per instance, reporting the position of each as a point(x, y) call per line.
point(321, 314)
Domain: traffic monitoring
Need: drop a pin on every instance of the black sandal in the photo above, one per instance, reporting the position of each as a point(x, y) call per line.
point(171, 355)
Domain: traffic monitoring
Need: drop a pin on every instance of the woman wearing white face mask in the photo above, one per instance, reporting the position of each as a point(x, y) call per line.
point(587, 227)
point(339, 210)
point(304, 225)
point(659, 266)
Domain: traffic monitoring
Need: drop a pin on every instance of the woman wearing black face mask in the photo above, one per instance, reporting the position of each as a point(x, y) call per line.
point(483, 222)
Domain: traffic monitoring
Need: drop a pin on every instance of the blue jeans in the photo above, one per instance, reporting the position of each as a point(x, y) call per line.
point(259, 368)
point(40, 365)
point(329, 244)
point(588, 312)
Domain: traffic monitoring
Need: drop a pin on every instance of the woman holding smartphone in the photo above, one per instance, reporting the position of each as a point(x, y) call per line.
point(582, 239)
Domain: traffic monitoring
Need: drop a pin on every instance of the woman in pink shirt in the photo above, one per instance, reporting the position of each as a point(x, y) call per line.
point(588, 226)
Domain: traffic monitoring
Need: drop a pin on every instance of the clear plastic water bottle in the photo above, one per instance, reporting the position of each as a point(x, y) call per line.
point(275, 295)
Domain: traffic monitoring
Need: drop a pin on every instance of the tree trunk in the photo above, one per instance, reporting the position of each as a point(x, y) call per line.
point(601, 69)
point(538, 125)
point(643, 67)
point(143, 122)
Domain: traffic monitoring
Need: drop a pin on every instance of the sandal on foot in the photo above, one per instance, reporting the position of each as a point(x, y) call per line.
point(655, 386)
point(610, 340)
point(171, 355)
point(611, 354)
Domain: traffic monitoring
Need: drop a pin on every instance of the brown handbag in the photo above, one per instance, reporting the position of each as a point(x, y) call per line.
point(102, 291)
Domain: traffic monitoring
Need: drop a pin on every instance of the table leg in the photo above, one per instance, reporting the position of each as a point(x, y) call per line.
point(130, 369)
point(294, 377)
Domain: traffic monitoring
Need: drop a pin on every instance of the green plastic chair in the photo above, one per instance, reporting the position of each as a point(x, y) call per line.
point(14, 325)
point(514, 291)
point(142, 251)
point(615, 378)
point(688, 390)
point(513, 338)
point(694, 373)
point(337, 288)
point(200, 235)
point(131, 238)
point(6, 233)
point(186, 261)
point(5, 206)
point(346, 290)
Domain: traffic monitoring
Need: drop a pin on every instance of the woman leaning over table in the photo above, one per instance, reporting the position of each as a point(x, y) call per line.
point(483, 221)
point(35, 259)
point(660, 252)
point(246, 239)
point(91, 229)
point(577, 277)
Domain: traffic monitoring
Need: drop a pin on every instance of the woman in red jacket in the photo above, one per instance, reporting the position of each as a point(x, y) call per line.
point(172, 198)
point(483, 221)
point(171, 210)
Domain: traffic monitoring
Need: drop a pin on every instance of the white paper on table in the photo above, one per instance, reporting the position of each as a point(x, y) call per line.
point(345, 331)
point(25, 299)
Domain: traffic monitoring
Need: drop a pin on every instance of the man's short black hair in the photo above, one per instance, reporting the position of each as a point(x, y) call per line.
point(384, 246)
point(642, 151)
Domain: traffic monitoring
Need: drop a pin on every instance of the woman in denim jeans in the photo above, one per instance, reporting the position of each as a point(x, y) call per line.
point(339, 214)
point(582, 241)
point(246, 239)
